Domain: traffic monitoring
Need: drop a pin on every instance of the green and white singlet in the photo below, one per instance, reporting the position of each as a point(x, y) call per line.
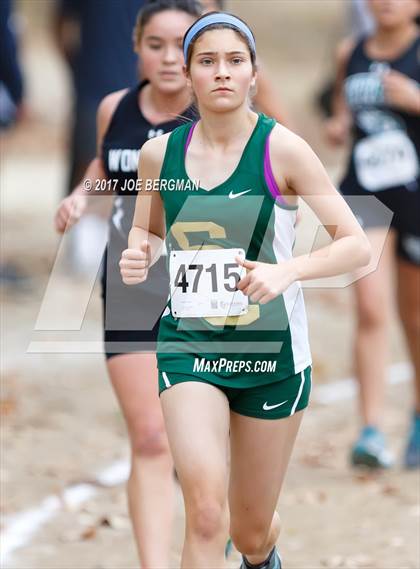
point(269, 342)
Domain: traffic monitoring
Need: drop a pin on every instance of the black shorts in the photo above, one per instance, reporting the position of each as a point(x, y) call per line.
point(397, 207)
point(131, 314)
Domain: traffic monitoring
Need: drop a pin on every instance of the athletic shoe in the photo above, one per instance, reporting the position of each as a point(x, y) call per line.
point(412, 452)
point(273, 562)
point(370, 450)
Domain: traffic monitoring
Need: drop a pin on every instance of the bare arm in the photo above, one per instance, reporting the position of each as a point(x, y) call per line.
point(106, 109)
point(306, 176)
point(148, 220)
point(338, 126)
point(146, 237)
point(296, 167)
point(402, 92)
point(75, 205)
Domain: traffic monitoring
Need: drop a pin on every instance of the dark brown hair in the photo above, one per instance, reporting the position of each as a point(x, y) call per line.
point(152, 7)
point(221, 26)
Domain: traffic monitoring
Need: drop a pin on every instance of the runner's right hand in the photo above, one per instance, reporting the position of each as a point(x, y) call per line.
point(337, 131)
point(134, 264)
point(69, 212)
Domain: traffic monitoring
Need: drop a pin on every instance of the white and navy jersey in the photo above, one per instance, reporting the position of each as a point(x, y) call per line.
point(386, 140)
point(127, 307)
point(128, 131)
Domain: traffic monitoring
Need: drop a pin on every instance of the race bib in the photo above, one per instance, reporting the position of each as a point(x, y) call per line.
point(385, 160)
point(203, 283)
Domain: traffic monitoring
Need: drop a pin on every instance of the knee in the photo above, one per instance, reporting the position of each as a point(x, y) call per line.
point(372, 314)
point(249, 539)
point(149, 440)
point(207, 519)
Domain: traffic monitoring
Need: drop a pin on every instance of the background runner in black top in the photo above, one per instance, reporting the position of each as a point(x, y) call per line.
point(384, 160)
point(131, 314)
point(377, 96)
point(122, 128)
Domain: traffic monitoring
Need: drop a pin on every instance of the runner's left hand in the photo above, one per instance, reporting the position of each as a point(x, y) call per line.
point(265, 281)
point(401, 91)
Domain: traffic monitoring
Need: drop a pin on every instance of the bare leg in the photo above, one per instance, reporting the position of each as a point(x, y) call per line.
point(373, 297)
point(151, 484)
point(197, 422)
point(260, 453)
point(409, 306)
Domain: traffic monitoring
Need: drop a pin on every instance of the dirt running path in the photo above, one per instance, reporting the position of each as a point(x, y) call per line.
point(61, 424)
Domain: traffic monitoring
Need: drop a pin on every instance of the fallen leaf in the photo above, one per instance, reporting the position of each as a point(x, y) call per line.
point(390, 490)
point(365, 475)
point(8, 406)
point(322, 496)
point(105, 522)
point(88, 533)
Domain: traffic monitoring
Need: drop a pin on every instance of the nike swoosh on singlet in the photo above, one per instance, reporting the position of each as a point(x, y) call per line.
point(268, 407)
point(232, 196)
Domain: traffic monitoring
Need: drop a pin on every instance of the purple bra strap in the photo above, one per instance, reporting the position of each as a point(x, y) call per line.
point(269, 176)
point(189, 137)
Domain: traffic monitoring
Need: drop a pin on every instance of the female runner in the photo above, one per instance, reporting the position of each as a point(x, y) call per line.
point(126, 119)
point(377, 93)
point(233, 352)
point(266, 98)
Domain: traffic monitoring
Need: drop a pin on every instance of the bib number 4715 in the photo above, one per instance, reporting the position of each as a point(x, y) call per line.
point(203, 283)
point(231, 271)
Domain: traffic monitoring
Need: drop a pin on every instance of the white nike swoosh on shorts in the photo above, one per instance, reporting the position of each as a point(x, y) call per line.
point(232, 196)
point(268, 407)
